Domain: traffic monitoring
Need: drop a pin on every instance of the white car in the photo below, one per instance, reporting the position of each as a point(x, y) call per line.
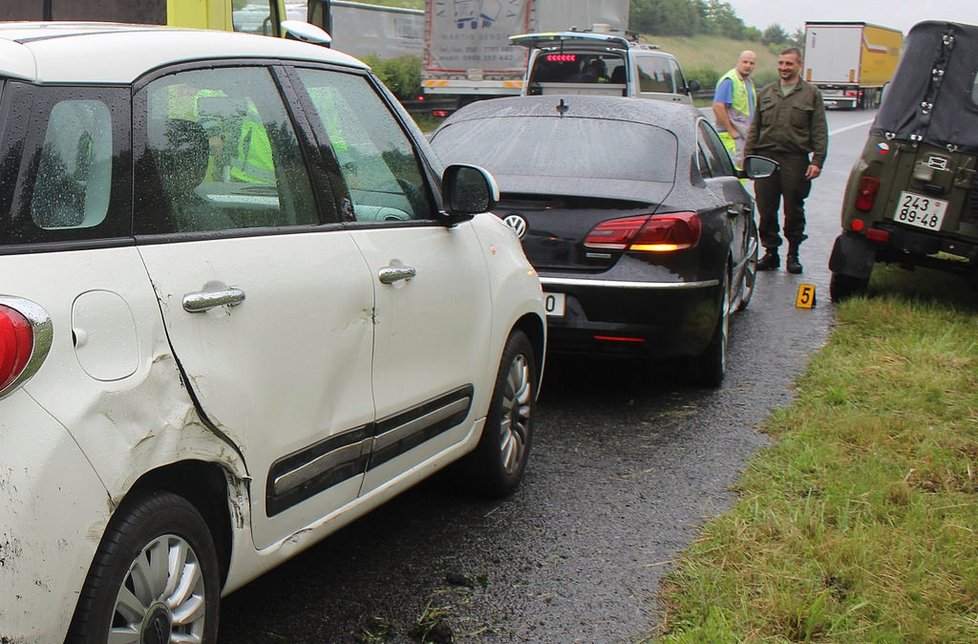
point(242, 304)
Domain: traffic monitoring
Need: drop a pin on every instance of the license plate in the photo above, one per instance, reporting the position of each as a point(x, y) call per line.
point(553, 304)
point(920, 211)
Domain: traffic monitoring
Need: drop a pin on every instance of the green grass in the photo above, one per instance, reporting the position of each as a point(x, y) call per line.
point(859, 522)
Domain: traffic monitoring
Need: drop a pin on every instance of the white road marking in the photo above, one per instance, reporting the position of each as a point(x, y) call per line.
point(850, 127)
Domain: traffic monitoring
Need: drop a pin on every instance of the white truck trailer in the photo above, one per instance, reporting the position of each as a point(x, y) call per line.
point(850, 61)
point(467, 53)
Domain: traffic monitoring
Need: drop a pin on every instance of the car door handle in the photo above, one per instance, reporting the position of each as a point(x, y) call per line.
point(210, 299)
point(391, 274)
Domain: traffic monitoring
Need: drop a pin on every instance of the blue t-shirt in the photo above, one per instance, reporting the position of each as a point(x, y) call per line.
point(724, 94)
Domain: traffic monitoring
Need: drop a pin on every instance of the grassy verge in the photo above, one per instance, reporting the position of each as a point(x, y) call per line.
point(859, 523)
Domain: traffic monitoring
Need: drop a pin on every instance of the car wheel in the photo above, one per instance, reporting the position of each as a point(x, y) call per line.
point(750, 277)
point(154, 578)
point(496, 466)
point(709, 367)
point(843, 286)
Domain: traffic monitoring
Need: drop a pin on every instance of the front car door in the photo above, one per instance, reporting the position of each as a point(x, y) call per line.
point(430, 282)
point(268, 310)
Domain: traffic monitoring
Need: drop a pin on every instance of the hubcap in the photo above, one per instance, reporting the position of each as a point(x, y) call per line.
point(162, 598)
point(515, 429)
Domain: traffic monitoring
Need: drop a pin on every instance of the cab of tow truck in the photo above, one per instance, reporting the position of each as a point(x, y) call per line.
point(912, 196)
point(264, 17)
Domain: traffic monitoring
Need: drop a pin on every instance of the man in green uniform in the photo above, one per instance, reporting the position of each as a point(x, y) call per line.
point(789, 126)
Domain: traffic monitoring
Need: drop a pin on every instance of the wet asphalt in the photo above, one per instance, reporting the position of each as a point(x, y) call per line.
point(626, 466)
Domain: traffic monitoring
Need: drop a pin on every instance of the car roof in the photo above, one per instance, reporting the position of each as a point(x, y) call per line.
point(671, 116)
point(93, 52)
point(573, 38)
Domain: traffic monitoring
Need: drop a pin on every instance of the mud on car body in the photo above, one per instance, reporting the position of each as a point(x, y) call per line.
point(912, 197)
point(242, 305)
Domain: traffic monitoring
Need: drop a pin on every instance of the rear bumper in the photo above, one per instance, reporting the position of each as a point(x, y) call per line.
point(621, 318)
point(854, 254)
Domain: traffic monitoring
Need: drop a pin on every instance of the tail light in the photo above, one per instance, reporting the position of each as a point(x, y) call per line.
point(866, 193)
point(648, 233)
point(25, 338)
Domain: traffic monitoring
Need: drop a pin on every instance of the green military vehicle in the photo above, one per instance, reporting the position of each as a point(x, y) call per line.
point(912, 198)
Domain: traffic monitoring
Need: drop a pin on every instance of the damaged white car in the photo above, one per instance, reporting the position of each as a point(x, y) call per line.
point(241, 305)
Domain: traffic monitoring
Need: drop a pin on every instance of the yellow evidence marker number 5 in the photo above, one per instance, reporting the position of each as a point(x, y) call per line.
point(806, 296)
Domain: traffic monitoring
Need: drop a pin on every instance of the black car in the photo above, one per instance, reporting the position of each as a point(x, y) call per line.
point(632, 213)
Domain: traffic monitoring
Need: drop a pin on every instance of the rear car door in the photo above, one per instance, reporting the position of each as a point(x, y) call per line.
point(430, 282)
point(268, 310)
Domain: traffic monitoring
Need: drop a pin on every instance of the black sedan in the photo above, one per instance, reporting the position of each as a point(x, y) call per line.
point(632, 213)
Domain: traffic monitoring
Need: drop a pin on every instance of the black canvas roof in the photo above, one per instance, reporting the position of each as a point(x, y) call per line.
point(933, 97)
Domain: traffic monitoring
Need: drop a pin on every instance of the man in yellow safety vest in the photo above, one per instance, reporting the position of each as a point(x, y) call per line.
point(733, 105)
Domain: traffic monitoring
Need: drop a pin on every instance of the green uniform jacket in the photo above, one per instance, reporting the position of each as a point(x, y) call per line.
point(789, 124)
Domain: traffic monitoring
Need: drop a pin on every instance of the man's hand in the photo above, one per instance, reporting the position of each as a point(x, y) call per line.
point(812, 172)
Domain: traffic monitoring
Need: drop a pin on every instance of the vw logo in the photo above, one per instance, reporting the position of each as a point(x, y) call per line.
point(517, 223)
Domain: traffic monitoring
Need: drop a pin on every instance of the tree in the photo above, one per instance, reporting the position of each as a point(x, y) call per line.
point(775, 35)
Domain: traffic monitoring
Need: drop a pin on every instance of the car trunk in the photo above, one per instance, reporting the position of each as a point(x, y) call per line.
point(934, 189)
point(557, 226)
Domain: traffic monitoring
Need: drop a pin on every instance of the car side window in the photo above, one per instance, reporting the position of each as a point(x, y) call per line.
point(74, 168)
point(654, 74)
point(376, 158)
point(718, 159)
point(254, 16)
point(220, 154)
point(679, 81)
point(65, 163)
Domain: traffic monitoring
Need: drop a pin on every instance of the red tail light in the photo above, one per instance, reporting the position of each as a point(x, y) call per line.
point(16, 344)
point(866, 194)
point(648, 233)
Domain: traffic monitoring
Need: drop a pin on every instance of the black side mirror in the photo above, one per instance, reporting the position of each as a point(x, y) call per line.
point(692, 85)
point(758, 167)
point(468, 190)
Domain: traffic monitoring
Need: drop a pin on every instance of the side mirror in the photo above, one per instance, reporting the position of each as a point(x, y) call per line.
point(692, 85)
point(759, 167)
point(468, 190)
point(299, 30)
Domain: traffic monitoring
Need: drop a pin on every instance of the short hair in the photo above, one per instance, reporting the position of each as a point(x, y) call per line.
point(792, 50)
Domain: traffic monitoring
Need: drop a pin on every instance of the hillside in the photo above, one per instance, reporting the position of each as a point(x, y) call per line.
point(716, 53)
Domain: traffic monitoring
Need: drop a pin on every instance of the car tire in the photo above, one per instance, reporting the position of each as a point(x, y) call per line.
point(497, 465)
point(126, 592)
point(709, 367)
point(842, 286)
point(749, 280)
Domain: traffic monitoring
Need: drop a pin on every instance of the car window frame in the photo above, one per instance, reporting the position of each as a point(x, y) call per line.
point(323, 204)
point(708, 137)
point(421, 149)
point(23, 140)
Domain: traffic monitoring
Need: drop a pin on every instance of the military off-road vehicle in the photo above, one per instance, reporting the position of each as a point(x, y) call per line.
point(912, 197)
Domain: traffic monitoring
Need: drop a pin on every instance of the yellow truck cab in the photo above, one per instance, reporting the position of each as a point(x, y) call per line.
point(250, 16)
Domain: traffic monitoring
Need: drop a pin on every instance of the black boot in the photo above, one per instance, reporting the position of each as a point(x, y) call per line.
point(770, 261)
point(793, 265)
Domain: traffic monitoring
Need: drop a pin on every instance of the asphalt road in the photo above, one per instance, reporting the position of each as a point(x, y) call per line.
point(626, 466)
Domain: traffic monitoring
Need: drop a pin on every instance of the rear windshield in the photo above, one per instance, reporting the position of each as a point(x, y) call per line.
point(569, 67)
point(561, 147)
